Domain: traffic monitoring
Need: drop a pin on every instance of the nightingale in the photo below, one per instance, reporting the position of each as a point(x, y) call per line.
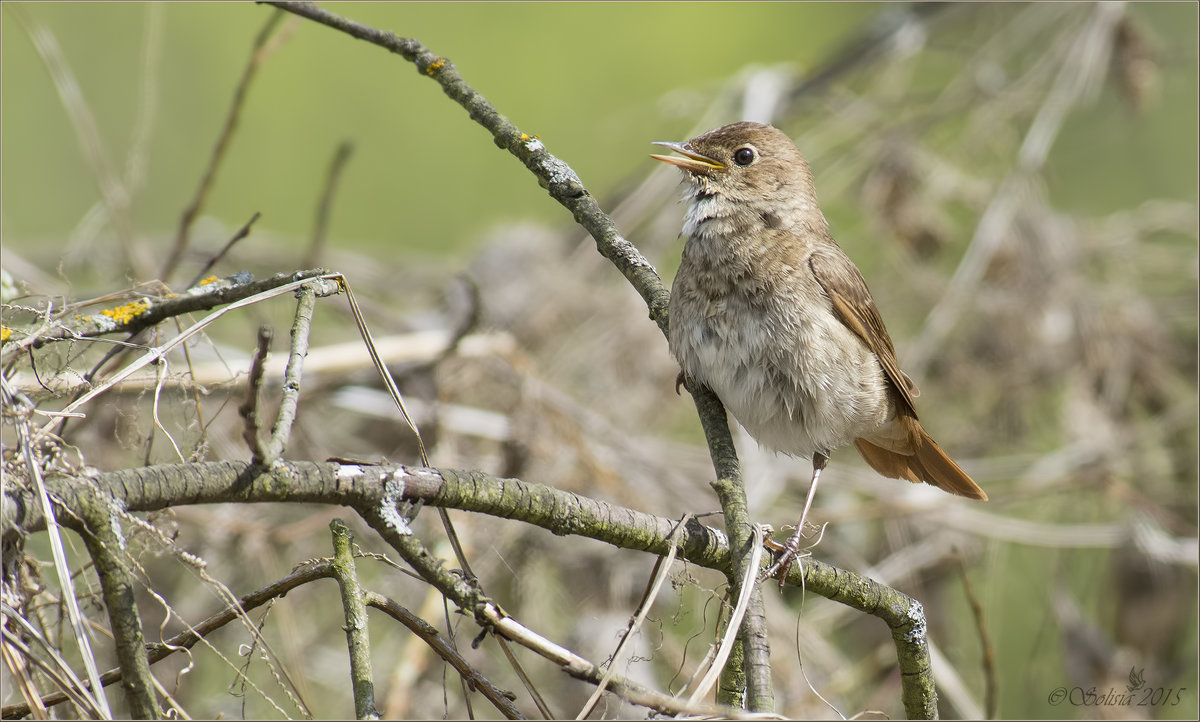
point(770, 313)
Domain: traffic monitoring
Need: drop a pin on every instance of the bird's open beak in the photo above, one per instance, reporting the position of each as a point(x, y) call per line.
point(692, 161)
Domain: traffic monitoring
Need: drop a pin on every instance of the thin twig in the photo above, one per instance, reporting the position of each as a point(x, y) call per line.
point(290, 399)
point(384, 373)
point(662, 571)
point(316, 247)
point(161, 370)
point(249, 408)
point(534, 694)
point(241, 233)
point(553, 174)
point(112, 190)
point(450, 637)
point(503, 700)
point(157, 352)
point(1080, 72)
point(259, 52)
point(746, 586)
point(394, 391)
point(65, 578)
point(988, 653)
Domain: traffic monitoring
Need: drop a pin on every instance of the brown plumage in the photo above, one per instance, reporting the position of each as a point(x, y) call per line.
point(769, 312)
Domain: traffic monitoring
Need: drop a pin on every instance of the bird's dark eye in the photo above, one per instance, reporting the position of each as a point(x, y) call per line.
point(744, 155)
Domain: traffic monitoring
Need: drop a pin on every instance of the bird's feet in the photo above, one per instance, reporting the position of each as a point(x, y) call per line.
point(786, 554)
point(791, 548)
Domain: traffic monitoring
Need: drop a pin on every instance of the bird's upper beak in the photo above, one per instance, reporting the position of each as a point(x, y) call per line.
point(692, 161)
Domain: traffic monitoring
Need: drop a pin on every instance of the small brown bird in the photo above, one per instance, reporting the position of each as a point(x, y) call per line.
point(773, 316)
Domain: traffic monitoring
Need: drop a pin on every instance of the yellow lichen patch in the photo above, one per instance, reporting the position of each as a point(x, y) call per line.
point(435, 66)
point(128, 312)
point(211, 279)
point(5, 333)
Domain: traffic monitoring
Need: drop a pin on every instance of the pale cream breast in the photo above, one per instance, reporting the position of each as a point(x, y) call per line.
point(782, 369)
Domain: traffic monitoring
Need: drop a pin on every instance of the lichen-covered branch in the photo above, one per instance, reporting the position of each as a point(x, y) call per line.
point(904, 616)
point(751, 669)
point(374, 491)
point(146, 312)
point(358, 638)
point(105, 544)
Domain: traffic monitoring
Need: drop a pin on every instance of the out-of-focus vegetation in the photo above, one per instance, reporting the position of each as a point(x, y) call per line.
point(597, 81)
point(1018, 184)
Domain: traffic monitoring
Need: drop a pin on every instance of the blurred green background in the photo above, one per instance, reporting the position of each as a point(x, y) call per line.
point(589, 78)
point(596, 81)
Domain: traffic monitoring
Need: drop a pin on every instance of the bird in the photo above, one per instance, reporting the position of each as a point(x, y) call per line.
point(769, 312)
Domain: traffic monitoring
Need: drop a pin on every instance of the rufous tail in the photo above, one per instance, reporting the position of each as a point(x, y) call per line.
point(928, 464)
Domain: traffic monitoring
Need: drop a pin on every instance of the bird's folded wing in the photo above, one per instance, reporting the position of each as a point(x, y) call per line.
point(851, 299)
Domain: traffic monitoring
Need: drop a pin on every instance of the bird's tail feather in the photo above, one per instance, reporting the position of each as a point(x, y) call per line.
point(929, 464)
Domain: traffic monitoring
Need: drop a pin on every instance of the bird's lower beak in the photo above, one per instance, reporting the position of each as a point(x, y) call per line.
point(692, 161)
